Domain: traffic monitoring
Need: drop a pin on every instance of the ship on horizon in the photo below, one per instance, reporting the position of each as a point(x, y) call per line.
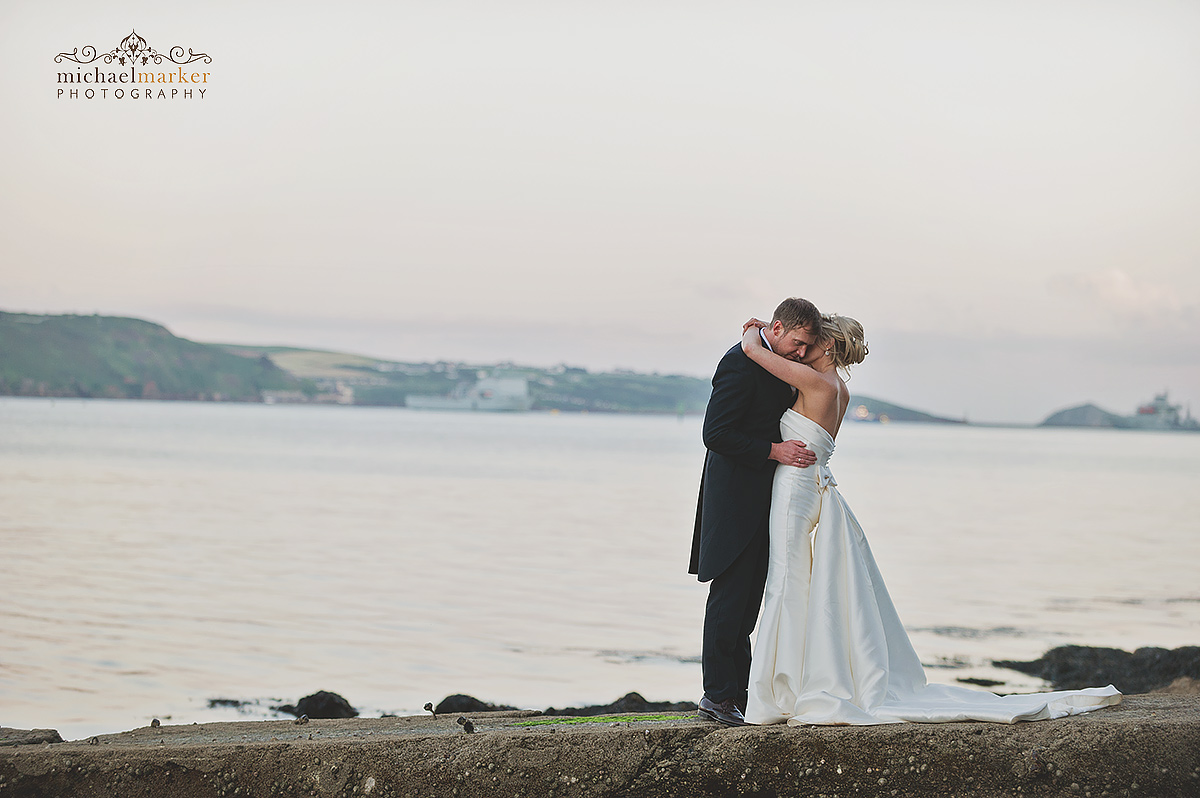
point(1158, 414)
point(1161, 414)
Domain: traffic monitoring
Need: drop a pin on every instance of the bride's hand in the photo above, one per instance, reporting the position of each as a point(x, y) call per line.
point(751, 338)
point(756, 323)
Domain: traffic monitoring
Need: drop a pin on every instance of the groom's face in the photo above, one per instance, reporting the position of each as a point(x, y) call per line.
point(792, 344)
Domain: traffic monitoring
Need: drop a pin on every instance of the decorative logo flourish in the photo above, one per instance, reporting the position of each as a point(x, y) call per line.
point(131, 51)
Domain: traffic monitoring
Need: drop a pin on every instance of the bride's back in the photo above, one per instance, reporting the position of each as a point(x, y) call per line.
point(824, 401)
point(823, 395)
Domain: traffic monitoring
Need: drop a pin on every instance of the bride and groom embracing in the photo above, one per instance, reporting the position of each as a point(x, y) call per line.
point(773, 531)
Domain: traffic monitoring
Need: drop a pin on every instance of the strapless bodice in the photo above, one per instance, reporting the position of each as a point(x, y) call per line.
point(794, 426)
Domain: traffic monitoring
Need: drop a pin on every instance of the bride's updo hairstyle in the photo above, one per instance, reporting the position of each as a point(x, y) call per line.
point(849, 347)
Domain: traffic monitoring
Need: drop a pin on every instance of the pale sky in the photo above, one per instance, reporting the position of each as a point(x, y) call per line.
point(1005, 194)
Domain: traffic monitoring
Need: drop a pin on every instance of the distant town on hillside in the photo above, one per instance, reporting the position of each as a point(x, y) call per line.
point(124, 358)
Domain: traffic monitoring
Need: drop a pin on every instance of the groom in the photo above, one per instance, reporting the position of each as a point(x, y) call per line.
point(730, 544)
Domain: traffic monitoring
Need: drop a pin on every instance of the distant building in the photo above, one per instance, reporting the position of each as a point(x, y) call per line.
point(490, 394)
point(283, 397)
point(338, 394)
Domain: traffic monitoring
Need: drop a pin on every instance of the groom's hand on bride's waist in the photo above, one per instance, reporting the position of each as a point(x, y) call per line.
point(793, 453)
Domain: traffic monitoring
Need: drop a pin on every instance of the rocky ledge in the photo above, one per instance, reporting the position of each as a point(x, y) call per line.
point(1148, 745)
point(1145, 670)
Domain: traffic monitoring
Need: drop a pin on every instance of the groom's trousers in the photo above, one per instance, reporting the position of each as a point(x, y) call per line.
point(734, 599)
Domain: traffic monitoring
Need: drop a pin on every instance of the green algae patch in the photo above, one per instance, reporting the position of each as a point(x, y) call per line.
point(600, 719)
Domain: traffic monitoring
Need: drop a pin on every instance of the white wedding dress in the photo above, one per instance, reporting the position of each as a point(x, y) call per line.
point(830, 647)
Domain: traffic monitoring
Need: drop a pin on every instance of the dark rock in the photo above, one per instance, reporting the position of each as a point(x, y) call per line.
point(465, 703)
point(28, 736)
point(630, 702)
point(321, 704)
point(1075, 667)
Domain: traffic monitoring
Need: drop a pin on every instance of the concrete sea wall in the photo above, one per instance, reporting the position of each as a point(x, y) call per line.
point(1147, 746)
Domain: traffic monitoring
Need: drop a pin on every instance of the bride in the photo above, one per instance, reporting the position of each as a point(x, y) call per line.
point(830, 647)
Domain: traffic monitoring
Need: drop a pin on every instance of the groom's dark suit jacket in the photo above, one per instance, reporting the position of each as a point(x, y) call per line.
point(735, 491)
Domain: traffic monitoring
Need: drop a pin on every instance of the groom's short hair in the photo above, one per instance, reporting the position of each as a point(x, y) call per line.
point(796, 312)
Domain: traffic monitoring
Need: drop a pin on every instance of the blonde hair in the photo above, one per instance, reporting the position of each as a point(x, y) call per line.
point(848, 346)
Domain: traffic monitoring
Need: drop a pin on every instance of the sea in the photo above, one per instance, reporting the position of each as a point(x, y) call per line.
point(156, 557)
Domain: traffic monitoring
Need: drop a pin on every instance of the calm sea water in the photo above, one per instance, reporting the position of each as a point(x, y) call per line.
point(156, 555)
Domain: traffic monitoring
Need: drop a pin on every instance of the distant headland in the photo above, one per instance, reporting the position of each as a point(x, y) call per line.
point(112, 357)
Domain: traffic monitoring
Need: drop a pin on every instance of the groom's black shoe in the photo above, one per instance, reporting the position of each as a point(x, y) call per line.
point(725, 712)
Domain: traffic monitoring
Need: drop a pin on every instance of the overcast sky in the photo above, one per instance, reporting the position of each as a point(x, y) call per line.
point(1006, 194)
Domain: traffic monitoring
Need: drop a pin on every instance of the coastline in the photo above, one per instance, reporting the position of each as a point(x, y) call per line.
point(1147, 745)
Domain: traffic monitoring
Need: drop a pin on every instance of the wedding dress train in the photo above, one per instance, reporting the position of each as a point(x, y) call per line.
point(830, 647)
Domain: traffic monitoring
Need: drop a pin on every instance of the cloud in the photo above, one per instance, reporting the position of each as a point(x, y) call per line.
point(1131, 300)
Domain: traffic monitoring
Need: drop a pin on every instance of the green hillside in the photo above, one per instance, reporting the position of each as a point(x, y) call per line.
point(563, 388)
point(621, 391)
point(120, 358)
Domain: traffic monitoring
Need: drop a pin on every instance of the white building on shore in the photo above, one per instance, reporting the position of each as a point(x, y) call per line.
point(489, 394)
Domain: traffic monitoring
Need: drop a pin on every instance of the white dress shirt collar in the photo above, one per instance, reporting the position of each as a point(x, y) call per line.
point(762, 332)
